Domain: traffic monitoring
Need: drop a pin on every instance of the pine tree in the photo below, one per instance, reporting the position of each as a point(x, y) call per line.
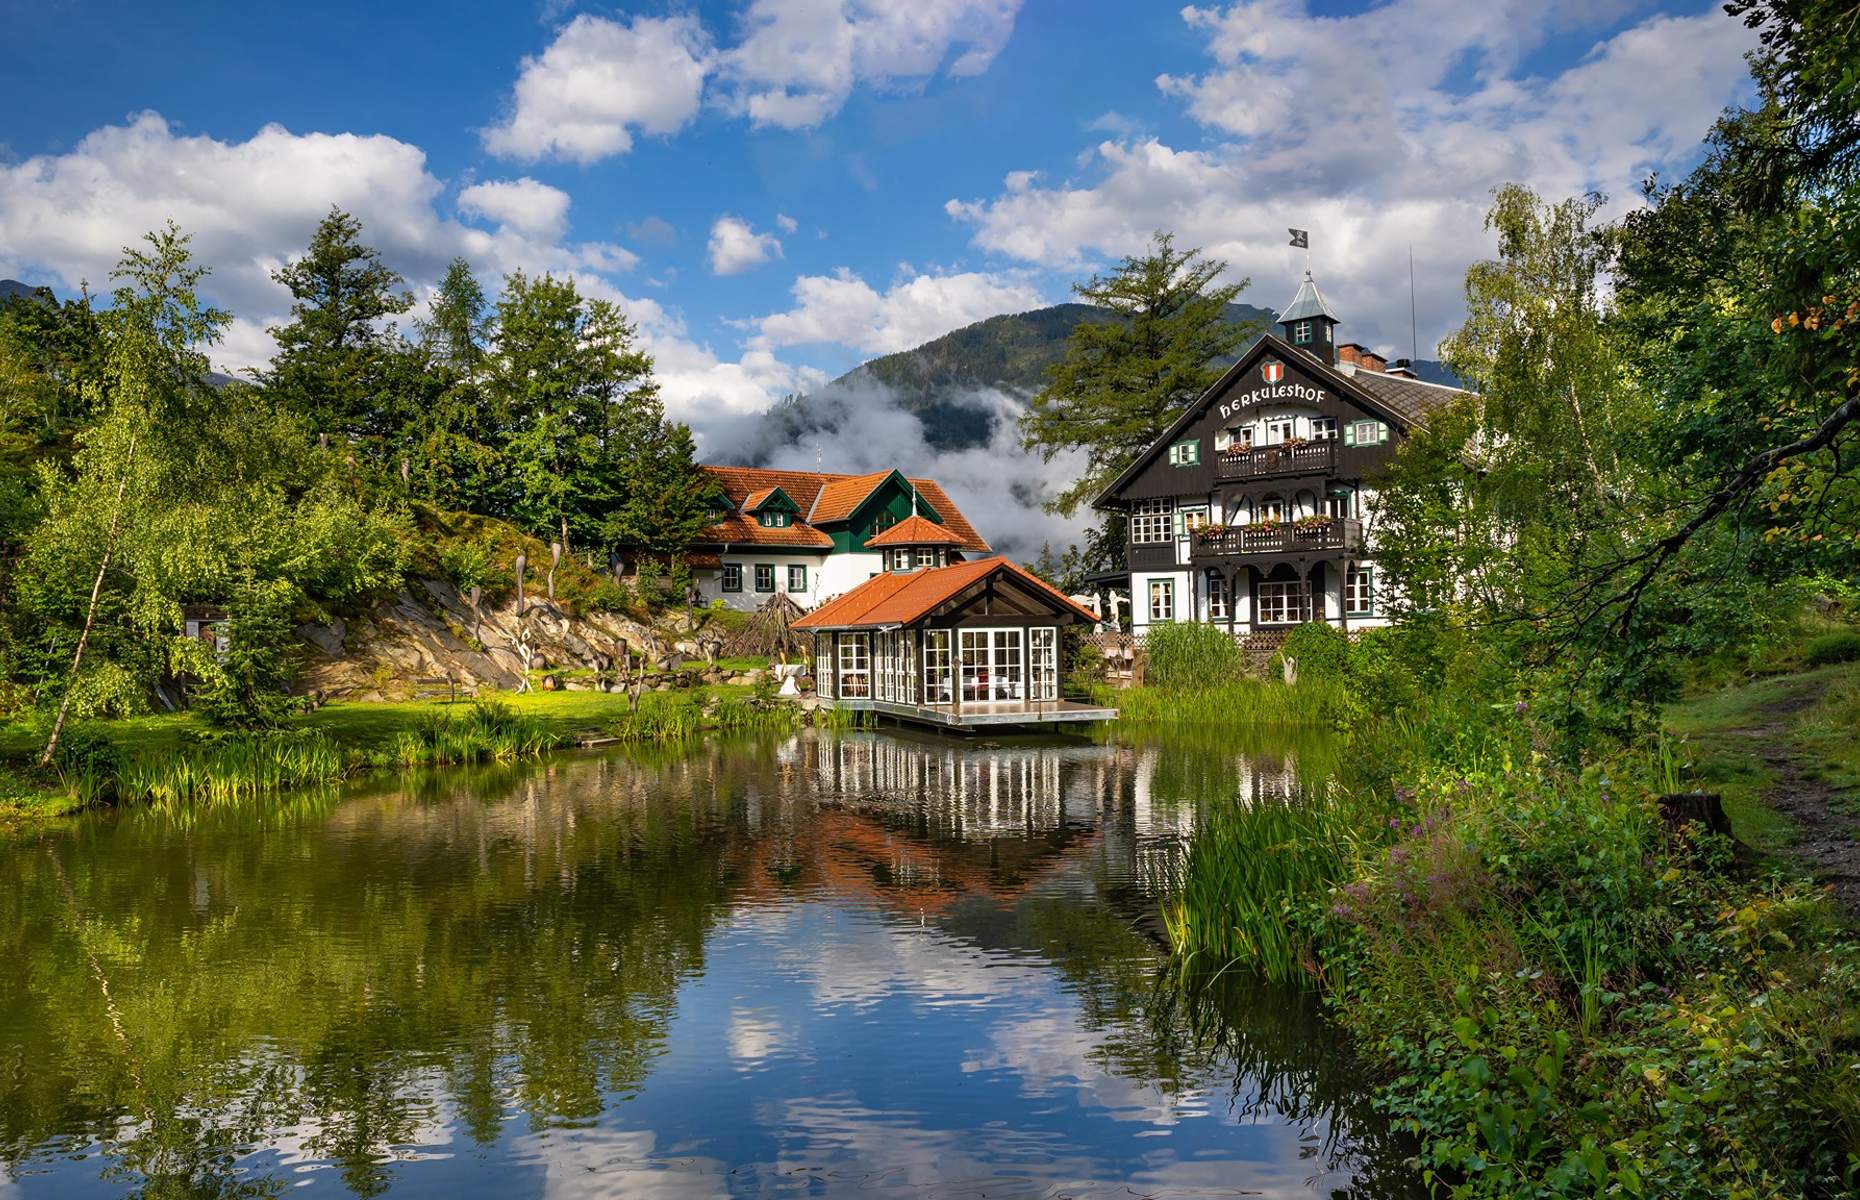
point(1123, 382)
point(333, 361)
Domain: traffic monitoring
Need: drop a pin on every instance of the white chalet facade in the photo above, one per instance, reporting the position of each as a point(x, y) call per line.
point(1256, 511)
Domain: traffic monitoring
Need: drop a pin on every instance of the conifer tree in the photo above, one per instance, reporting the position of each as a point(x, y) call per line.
point(1123, 382)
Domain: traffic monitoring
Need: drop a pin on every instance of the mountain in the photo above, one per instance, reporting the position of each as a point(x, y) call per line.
point(937, 381)
point(9, 288)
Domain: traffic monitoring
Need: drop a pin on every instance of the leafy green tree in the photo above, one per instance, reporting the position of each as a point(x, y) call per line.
point(249, 686)
point(667, 501)
point(458, 327)
point(579, 399)
point(1124, 381)
point(454, 439)
point(131, 461)
point(336, 351)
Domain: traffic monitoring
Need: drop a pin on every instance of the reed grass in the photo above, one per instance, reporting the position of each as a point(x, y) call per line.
point(1316, 703)
point(489, 731)
point(675, 716)
point(1251, 891)
point(234, 769)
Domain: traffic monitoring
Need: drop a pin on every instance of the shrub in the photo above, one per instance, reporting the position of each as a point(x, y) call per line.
point(86, 752)
point(1321, 651)
point(1838, 647)
point(1190, 655)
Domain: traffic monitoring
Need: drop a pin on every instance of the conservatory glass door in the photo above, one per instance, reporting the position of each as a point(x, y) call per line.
point(993, 665)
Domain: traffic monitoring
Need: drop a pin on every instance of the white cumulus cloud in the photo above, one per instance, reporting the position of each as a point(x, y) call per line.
point(843, 309)
point(735, 247)
point(529, 207)
point(583, 97)
point(1379, 132)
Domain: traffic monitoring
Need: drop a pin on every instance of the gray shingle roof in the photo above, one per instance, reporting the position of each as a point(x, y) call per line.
point(1309, 302)
point(1409, 399)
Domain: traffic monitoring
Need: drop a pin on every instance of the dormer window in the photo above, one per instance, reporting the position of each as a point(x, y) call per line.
point(774, 519)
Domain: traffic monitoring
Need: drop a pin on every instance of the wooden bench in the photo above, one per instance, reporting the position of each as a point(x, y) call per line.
point(439, 687)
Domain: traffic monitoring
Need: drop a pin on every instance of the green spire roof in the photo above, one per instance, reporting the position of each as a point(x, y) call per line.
point(1308, 303)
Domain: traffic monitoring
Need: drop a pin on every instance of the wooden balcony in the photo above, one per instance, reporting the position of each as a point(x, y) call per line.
point(1332, 534)
point(1272, 462)
point(1153, 556)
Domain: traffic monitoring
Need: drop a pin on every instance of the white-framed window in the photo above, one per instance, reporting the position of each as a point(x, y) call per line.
point(1162, 601)
point(1152, 521)
point(732, 577)
point(1043, 663)
point(1272, 508)
point(1359, 591)
point(1185, 454)
point(765, 577)
point(855, 665)
point(1286, 602)
point(1341, 504)
point(899, 560)
point(823, 664)
point(1365, 433)
point(1301, 333)
point(1323, 429)
point(927, 557)
point(1218, 599)
point(938, 688)
point(993, 666)
point(772, 519)
point(1277, 431)
point(797, 577)
point(1193, 519)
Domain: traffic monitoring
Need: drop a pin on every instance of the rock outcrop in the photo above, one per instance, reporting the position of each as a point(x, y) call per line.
point(428, 633)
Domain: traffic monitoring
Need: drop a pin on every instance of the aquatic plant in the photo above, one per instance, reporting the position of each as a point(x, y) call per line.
point(1190, 656)
point(489, 731)
point(232, 768)
point(1315, 703)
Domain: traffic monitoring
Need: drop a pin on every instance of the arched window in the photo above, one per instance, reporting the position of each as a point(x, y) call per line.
point(1272, 508)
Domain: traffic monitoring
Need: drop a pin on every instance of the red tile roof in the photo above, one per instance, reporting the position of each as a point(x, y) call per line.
point(898, 598)
point(809, 490)
point(842, 497)
point(756, 500)
point(915, 531)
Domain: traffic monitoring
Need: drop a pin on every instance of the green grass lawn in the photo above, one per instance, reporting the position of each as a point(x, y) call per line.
point(1821, 736)
point(28, 794)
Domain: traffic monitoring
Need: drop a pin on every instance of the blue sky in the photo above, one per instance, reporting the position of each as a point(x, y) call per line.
point(779, 189)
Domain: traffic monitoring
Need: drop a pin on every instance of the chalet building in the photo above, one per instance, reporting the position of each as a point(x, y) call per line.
point(1255, 511)
point(965, 645)
point(815, 535)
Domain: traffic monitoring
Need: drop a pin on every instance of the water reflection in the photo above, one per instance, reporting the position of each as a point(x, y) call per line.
point(866, 962)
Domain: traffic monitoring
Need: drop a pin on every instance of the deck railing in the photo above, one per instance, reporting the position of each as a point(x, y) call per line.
point(1264, 462)
point(1287, 537)
point(1149, 556)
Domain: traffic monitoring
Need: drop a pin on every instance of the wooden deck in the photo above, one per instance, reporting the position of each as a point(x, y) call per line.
point(981, 714)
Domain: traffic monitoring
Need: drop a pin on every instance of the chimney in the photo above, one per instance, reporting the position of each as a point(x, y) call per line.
point(1404, 369)
point(1371, 361)
point(1351, 353)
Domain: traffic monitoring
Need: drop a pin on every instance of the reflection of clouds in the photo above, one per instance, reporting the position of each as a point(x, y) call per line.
point(1051, 1056)
point(756, 1036)
point(859, 959)
point(620, 1162)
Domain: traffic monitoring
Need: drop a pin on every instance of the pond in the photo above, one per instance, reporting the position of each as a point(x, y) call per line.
point(858, 963)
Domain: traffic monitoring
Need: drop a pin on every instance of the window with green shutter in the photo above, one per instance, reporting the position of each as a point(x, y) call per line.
point(1185, 454)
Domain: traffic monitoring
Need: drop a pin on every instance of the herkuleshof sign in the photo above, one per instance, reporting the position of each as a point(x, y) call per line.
point(1272, 371)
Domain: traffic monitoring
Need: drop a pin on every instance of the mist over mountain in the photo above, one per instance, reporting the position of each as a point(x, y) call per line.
point(940, 381)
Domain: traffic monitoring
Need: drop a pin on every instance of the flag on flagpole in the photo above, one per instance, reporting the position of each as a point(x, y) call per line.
point(1301, 238)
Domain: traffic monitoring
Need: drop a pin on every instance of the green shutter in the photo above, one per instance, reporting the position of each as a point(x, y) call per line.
point(1349, 433)
point(1382, 433)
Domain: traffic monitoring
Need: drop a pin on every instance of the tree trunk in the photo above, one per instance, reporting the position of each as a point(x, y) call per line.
point(90, 612)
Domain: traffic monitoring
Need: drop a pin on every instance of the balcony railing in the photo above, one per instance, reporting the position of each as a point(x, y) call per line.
point(1288, 537)
point(1265, 462)
point(1151, 556)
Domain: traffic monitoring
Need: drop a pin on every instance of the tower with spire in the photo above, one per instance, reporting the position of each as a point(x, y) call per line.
point(1310, 323)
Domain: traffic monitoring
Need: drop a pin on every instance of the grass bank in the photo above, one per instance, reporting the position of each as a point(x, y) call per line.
point(177, 757)
point(1568, 994)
